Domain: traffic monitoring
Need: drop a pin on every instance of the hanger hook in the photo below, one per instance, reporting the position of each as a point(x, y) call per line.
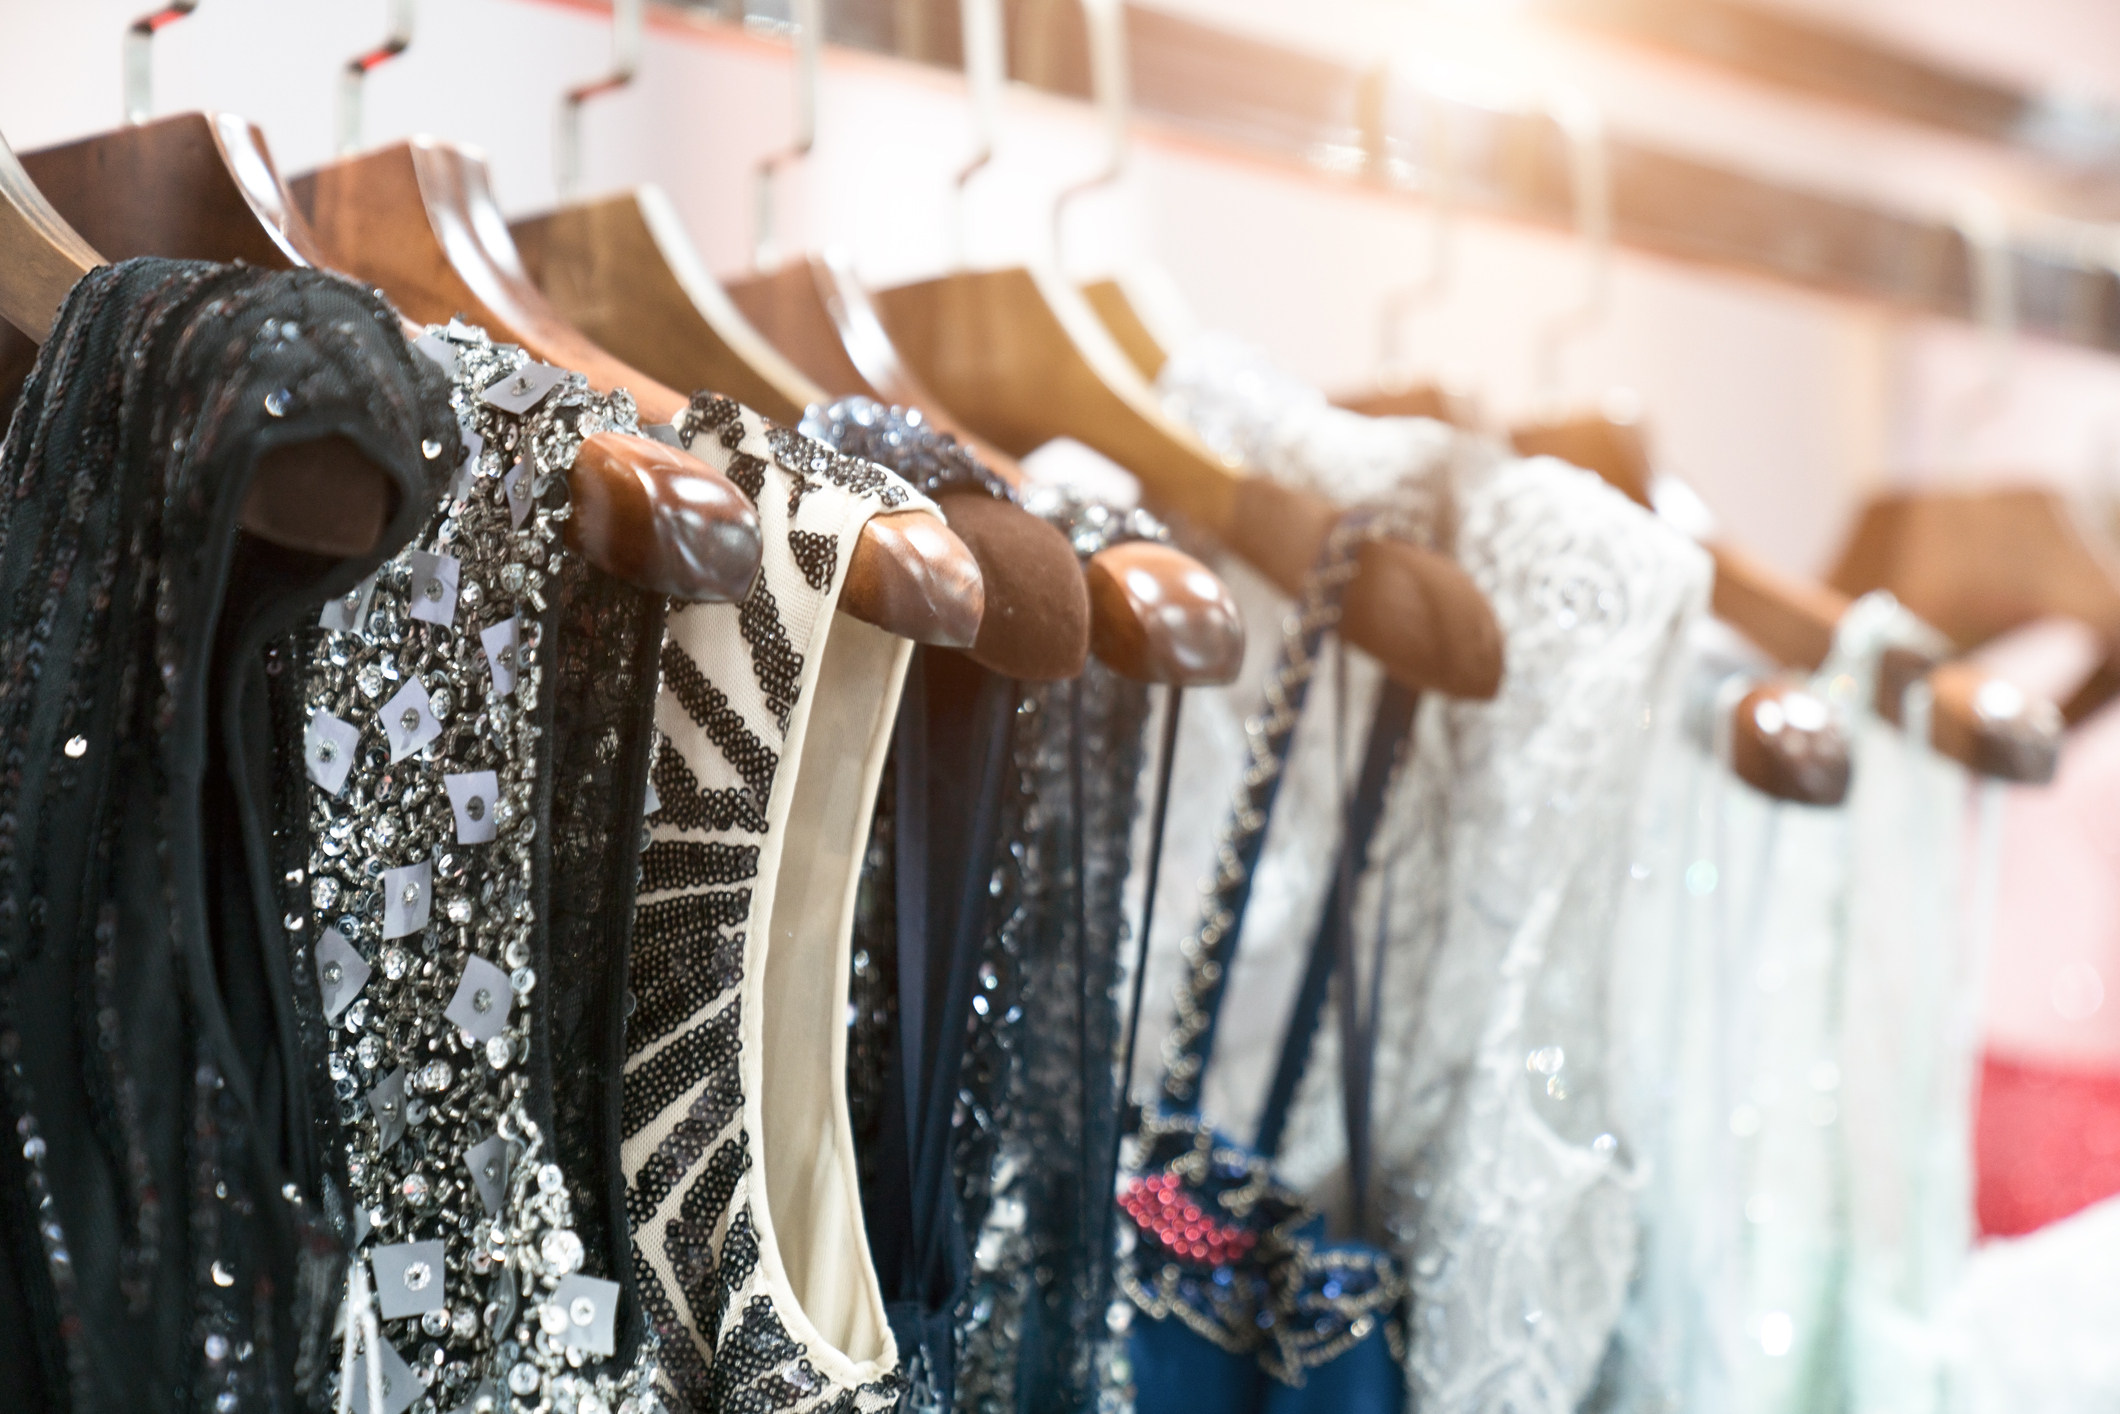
point(628, 18)
point(1439, 178)
point(1991, 277)
point(809, 42)
point(353, 76)
point(985, 71)
point(1582, 129)
point(139, 58)
point(1108, 85)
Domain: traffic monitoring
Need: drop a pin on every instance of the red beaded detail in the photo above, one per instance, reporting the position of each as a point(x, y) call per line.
point(1161, 1209)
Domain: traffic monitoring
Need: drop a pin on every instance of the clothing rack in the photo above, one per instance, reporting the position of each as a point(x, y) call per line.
point(1330, 117)
point(1840, 62)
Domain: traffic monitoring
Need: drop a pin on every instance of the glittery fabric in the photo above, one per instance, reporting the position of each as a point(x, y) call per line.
point(1034, 1106)
point(1042, 1327)
point(930, 460)
point(737, 683)
point(476, 732)
point(174, 1213)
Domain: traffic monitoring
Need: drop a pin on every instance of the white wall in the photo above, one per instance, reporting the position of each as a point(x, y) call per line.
point(1780, 405)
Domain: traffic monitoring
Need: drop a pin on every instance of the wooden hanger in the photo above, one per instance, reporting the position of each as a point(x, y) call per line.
point(1023, 360)
point(1021, 357)
point(1156, 613)
point(608, 266)
point(323, 497)
point(1978, 563)
point(1795, 622)
point(45, 258)
point(624, 270)
point(418, 219)
point(200, 186)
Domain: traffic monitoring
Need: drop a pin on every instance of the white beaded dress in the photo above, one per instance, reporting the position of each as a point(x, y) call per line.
point(739, 1161)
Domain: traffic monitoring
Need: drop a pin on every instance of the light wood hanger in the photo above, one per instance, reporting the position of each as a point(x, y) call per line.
point(201, 186)
point(45, 258)
point(419, 219)
point(1156, 614)
point(1976, 564)
point(623, 270)
point(1795, 621)
point(1021, 357)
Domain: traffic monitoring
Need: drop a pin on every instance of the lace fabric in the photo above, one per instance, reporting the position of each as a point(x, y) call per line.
point(737, 819)
point(472, 912)
point(1506, 1187)
point(175, 1213)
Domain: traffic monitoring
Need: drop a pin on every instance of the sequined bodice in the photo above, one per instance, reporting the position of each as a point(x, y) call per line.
point(432, 738)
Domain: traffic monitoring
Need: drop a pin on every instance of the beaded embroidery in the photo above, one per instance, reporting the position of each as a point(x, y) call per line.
point(176, 1240)
point(690, 1162)
point(1216, 1243)
point(429, 694)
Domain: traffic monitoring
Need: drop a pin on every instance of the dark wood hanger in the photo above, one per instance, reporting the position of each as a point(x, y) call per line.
point(623, 269)
point(1979, 563)
point(1795, 621)
point(1020, 355)
point(201, 186)
point(418, 218)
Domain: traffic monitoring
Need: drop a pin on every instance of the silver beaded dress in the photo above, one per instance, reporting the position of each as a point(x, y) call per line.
point(475, 729)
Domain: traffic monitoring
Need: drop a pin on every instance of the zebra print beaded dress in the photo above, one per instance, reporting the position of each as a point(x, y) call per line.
point(739, 1160)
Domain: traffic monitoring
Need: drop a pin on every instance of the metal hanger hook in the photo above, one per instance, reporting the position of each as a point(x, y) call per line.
point(985, 71)
point(808, 20)
point(1439, 179)
point(140, 55)
point(1991, 278)
point(628, 20)
point(1582, 129)
point(1109, 88)
point(353, 77)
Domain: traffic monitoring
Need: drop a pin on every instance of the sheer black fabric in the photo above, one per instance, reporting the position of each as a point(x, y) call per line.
point(173, 1221)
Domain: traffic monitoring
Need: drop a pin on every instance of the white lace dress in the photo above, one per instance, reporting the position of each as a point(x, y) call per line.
point(1500, 861)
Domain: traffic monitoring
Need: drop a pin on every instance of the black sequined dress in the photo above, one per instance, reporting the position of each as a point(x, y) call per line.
point(172, 1212)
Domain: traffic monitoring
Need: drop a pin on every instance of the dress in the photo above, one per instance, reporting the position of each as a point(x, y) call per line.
point(1248, 1306)
point(475, 723)
point(741, 1176)
point(1000, 848)
point(174, 1215)
point(1504, 1183)
point(1042, 1328)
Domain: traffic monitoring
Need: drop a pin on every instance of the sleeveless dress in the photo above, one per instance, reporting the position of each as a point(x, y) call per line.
point(174, 1217)
point(987, 945)
point(741, 1176)
point(474, 724)
point(1505, 1178)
